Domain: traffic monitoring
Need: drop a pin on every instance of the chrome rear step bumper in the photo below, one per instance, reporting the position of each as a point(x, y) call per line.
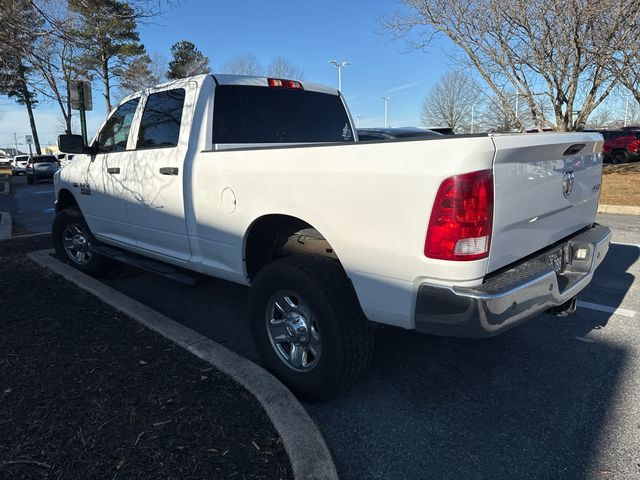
point(516, 294)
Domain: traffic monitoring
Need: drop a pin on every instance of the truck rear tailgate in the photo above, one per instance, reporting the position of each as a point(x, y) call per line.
point(547, 186)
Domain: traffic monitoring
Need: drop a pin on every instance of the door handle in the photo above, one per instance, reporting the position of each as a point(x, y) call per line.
point(113, 170)
point(169, 170)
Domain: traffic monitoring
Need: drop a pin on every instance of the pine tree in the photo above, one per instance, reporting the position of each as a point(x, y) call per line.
point(187, 61)
point(143, 72)
point(15, 71)
point(110, 40)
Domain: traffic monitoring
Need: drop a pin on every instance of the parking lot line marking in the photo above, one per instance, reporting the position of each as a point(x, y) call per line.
point(31, 235)
point(585, 339)
point(627, 244)
point(43, 192)
point(49, 210)
point(605, 308)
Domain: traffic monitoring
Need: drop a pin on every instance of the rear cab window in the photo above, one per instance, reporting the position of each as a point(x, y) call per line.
point(44, 159)
point(161, 120)
point(246, 115)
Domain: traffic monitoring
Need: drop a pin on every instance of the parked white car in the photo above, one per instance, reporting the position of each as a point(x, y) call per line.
point(19, 164)
point(263, 182)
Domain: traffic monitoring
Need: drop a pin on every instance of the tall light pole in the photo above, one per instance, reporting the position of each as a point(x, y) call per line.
point(472, 118)
point(357, 121)
point(340, 65)
point(386, 111)
point(626, 110)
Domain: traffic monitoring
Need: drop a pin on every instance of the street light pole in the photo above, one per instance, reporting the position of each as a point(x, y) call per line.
point(472, 117)
point(386, 110)
point(626, 110)
point(340, 65)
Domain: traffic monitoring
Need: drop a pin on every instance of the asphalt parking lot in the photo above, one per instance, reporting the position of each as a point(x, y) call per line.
point(555, 398)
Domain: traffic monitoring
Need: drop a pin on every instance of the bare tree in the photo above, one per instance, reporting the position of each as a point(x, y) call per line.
point(495, 118)
point(55, 67)
point(557, 49)
point(450, 102)
point(280, 67)
point(601, 117)
point(246, 64)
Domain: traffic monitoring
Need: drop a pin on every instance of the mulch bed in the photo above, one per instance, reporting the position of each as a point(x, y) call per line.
point(87, 393)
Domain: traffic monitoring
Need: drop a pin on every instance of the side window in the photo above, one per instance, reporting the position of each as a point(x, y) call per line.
point(113, 136)
point(160, 125)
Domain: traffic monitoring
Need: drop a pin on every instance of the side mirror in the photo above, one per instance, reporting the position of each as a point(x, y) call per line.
point(72, 144)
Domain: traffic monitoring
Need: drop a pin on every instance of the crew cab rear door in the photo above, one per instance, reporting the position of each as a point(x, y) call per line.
point(155, 177)
point(547, 186)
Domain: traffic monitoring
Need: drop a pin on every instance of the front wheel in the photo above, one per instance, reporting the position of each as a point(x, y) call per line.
point(307, 325)
point(73, 240)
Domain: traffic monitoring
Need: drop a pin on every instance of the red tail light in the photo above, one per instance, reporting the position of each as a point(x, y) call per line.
point(280, 83)
point(634, 146)
point(462, 218)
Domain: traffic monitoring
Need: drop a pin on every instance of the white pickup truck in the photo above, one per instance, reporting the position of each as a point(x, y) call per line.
point(263, 182)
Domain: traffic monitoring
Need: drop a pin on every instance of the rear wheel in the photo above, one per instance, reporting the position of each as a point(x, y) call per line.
point(620, 156)
point(73, 240)
point(307, 325)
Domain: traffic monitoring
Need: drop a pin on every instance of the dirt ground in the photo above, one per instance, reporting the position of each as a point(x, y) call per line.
point(621, 184)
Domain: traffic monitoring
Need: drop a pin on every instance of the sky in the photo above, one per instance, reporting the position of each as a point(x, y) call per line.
point(308, 34)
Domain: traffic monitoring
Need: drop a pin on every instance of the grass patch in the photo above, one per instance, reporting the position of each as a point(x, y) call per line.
point(621, 184)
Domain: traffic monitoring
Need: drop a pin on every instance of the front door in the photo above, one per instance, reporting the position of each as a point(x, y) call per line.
point(102, 189)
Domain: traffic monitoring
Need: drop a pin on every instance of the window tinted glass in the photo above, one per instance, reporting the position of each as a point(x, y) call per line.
point(44, 158)
point(113, 136)
point(244, 114)
point(368, 137)
point(612, 135)
point(160, 126)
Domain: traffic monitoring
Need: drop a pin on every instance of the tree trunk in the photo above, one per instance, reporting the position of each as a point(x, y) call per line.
point(27, 101)
point(107, 85)
point(67, 116)
point(32, 122)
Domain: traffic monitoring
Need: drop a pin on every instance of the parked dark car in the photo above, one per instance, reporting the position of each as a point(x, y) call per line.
point(41, 167)
point(372, 134)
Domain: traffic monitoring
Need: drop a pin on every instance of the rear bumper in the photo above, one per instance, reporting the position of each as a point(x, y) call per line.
point(39, 174)
point(512, 296)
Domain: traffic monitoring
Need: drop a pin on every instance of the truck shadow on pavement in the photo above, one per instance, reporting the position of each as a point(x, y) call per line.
point(531, 403)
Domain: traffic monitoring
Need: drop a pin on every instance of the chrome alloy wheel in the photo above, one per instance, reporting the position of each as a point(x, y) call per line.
point(77, 245)
point(293, 331)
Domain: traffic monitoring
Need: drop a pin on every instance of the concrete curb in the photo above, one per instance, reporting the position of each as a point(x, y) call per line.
point(620, 209)
point(5, 225)
point(308, 453)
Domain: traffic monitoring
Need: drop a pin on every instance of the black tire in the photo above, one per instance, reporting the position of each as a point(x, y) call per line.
point(30, 179)
point(346, 335)
point(620, 156)
point(63, 223)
